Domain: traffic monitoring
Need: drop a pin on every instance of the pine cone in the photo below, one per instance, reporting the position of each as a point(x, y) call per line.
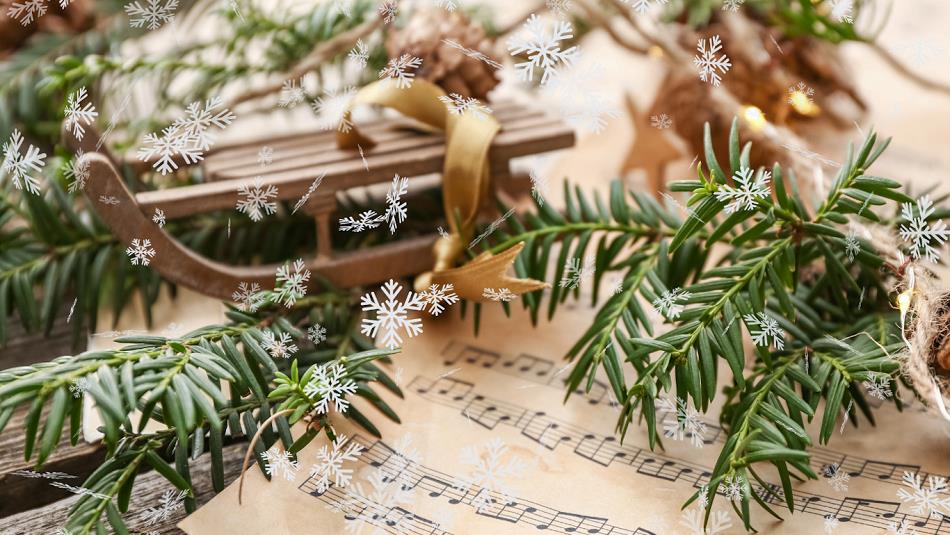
point(443, 64)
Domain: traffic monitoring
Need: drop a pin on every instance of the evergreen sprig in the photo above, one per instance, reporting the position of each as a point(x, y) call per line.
point(774, 259)
point(212, 383)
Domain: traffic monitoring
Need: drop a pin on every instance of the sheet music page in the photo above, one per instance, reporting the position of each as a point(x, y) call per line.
point(487, 445)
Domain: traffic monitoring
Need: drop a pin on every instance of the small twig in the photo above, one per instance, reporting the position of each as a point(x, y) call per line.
point(250, 448)
point(600, 21)
point(902, 69)
point(514, 25)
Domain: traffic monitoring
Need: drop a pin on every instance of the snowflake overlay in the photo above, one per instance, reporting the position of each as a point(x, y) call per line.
point(21, 167)
point(396, 208)
point(196, 125)
point(767, 329)
point(879, 386)
point(491, 470)
point(852, 246)
point(800, 89)
point(694, 521)
point(666, 305)
point(708, 64)
point(159, 217)
point(391, 314)
point(575, 273)
point(747, 190)
point(388, 10)
point(501, 294)
point(77, 113)
point(661, 121)
point(170, 502)
point(316, 333)
point(842, 11)
point(330, 463)
point(381, 509)
point(77, 172)
point(925, 499)
point(279, 347)
point(330, 384)
point(281, 462)
point(582, 102)
point(682, 420)
point(901, 529)
point(398, 70)
point(265, 156)
point(154, 15)
point(732, 5)
point(921, 233)
point(366, 220)
point(733, 489)
point(837, 478)
point(331, 109)
point(29, 10)
point(449, 5)
point(187, 137)
point(359, 54)
point(292, 283)
point(248, 296)
point(831, 523)
point(291, 94)
point(641, 6)
point(558, 7)
point(459, 105)
point(542, 48)
point(166, 147)
point(436, 295)
point(257, 200)
point(80, 386)
point(140, 252)
point(539, 186)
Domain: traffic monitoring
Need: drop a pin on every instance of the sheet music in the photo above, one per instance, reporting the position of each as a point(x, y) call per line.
point(506, 385)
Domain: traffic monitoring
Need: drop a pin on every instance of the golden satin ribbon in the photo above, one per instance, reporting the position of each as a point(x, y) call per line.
point(466, 181)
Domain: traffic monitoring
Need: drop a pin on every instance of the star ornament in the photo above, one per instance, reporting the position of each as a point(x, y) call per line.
point(485, 271)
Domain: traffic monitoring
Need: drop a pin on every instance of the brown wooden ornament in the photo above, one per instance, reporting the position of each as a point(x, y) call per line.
point(652, 149)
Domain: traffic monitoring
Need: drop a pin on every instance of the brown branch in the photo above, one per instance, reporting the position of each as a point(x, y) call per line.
point(895, 64)
point(515, 24)
point(599, 20)
point(250, 447)
point(321, 54)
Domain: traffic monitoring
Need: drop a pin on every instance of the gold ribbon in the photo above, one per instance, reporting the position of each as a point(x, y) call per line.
point(466, 181)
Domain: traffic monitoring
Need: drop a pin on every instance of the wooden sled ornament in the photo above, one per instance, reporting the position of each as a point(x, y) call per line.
point(298, 159)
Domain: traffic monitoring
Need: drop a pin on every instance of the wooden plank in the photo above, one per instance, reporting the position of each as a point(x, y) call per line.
point(189, 200)
point(149, 488)
point(24, 348)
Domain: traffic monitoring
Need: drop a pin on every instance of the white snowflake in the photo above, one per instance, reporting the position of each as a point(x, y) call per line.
point(398, 70)
point(558, 7)
point(291, 94)
point(170, 144)
point(77, 172)
point(388, 10)
point(265, 156)
point(257, 199)
point(343, 7)
point(77, 113)
point(80, 386)
point(733, 488)
point(702, 500)
point(292, 283)
point(542, 48)
point(921, 233)
point(492, 468)
point(768, 328)
point(366, 220)
point(359, 54)
point(29, 10)
point(837, 478)
point(279, 346)
point(743, 196)
point(831, 524)
point(591, 113)
point(661, 121)
point(708, 64)
point(681, 420)
point(159, 217)
point(582, 101)
point(436, 295)
point(501, 294)
point(170, 502)
point(852, 246)
point(281, 462)
point(842, 11)
point(331, 109)
point(641, 6)
point(798, 91)
point(925, 499)
point(330, 463)
point(459, 105)
point(310, 191)
point(249, 296)
point(694, 520)
point(108, 199)
point(575, 273)
point(154, 14)
point(21, 167)
point(449, 5)
point(395, 207)
point(539, 186)
point(391, 314)
point(903, 528)
point(732, 5)
point(316, 333)
point(329, 383)
point(197, 123)
point(140, 252)
point(879, 386)
point(666, 304)
point(381, 510)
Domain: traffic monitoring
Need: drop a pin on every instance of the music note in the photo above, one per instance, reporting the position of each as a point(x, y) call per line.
point(527, 364)
point(851, 507)
point(883, 470)
point(572, 523)
point(473, 355)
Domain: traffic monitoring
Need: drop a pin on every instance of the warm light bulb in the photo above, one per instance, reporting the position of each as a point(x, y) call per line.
point(803, 104)
point(655, 52)
point(754, 118)
point(903, 302)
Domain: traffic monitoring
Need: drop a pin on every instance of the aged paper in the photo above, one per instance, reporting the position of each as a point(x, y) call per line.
point(487, 445)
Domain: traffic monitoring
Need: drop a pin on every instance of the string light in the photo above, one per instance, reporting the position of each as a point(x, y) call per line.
point(754, 118)
point(655, 52)
point(803, 104)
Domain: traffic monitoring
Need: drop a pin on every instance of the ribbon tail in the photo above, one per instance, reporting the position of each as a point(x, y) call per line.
point(487, 271)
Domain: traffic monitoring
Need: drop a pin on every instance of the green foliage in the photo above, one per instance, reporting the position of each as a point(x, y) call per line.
point(780, 258)
point(213, 382)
